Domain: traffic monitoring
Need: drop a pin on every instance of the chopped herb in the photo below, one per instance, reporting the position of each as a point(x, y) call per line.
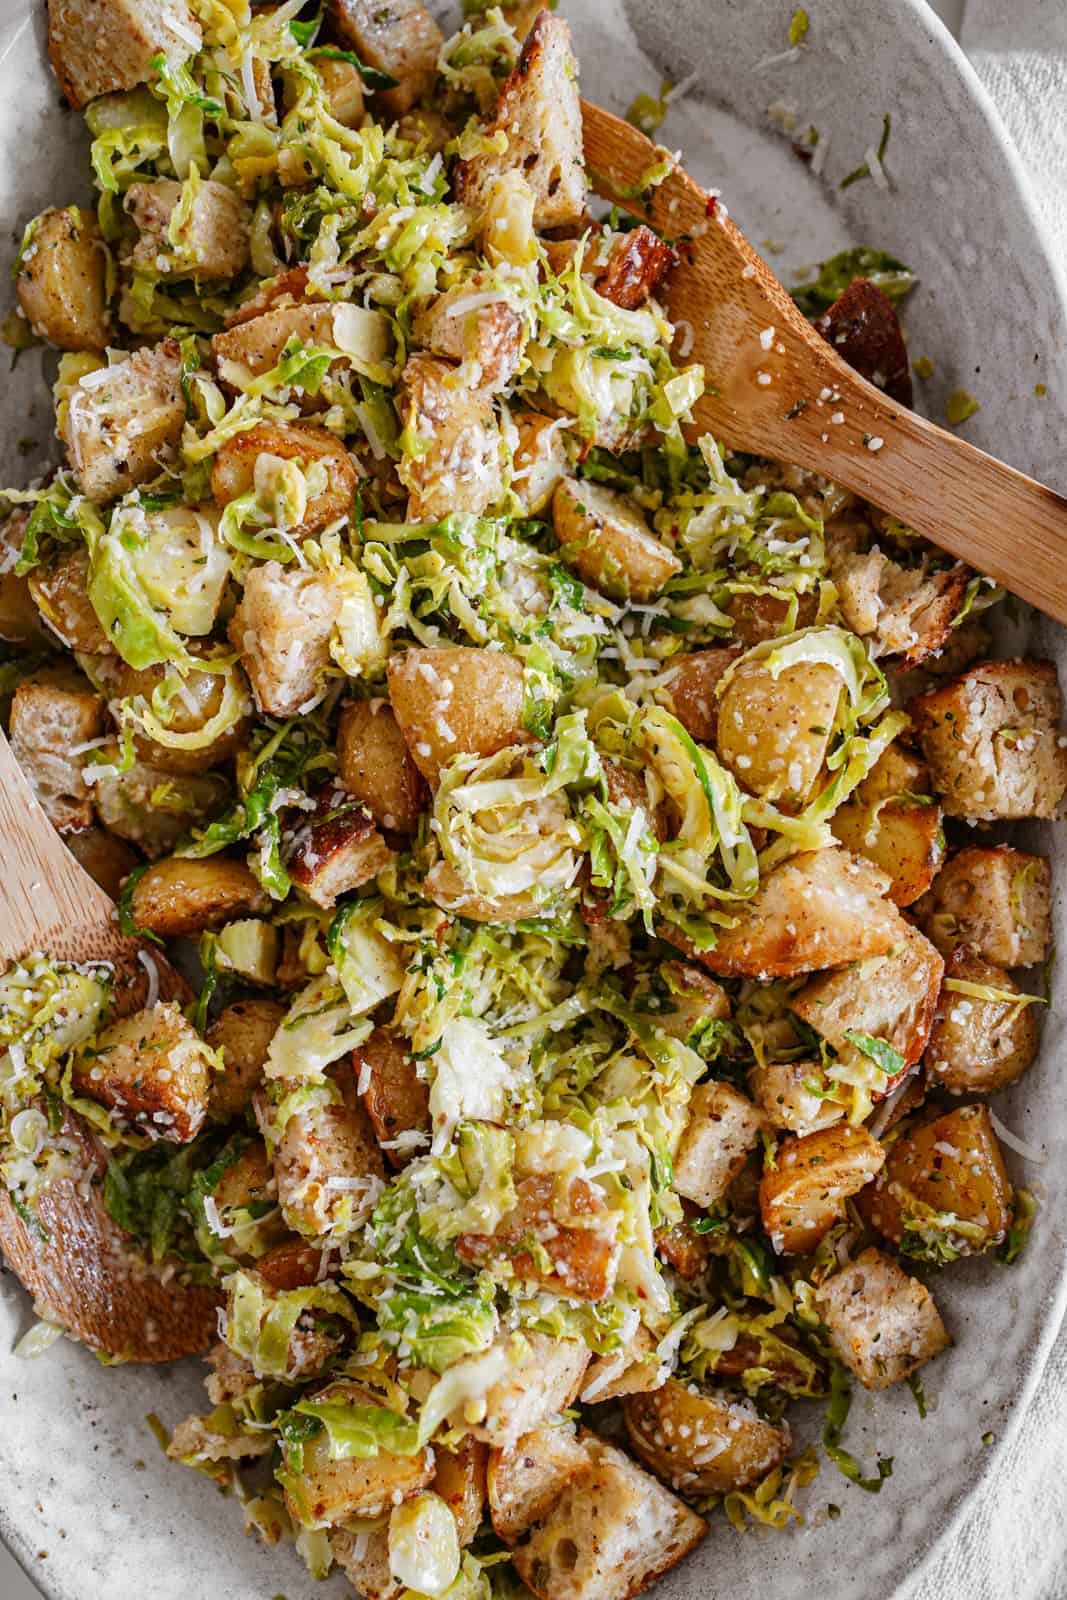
point(959, 406)
point(798, 27)
point(918, 1394)
point(880, 1051)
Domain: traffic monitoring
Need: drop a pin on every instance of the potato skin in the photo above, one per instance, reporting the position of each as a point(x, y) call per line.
point(673, 1430)
point(455, 700)
point(394, 1097)
point(459, 1478)
point(951, 1164)
point(105, 858)
point(804, 1194)
point(61, 281)
point(401, 39)
point(234, 466)
point(690, 691)
point(773, 733)
point(978, 1046)
point(573, 1233)
point(375, 765)
point(206, 691)
point(903, 837)
point(604, 536)
point(242, 1032)
point(539, 460)
point(176, 895)
point(329, 1491)
point(19, 621)
point(344, 91)
point(61, 594)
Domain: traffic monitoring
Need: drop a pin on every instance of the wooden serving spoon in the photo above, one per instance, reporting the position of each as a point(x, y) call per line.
point(77, 1263)
point(780, 390)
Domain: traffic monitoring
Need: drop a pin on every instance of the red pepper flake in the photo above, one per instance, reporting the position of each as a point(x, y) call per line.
point(712, 205)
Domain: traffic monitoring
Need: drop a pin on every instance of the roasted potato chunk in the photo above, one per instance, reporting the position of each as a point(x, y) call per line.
point(773, 732)
point(943, 1191)
point(327, 1164)
point(459, 1478)
point(291, 1264)
point(98, 48)
point(151, 808)
point(211, 240)
point(992, 739)
point(486, 335)
point(19, 621)
point(338, 849)
point(122, 429)
point(893, 820)
point(723, 1127)
point(242, 1033)
point(882, 1323)
point(61, 594)
point(282, 629)
point(604, 535)
point(689, 690)
point(189, 711)
point(460, 466)
point(454, 700)
point(106, 859)
point(994, 900)
point(53, 718)
point(562, 1237)
point(757, 617)
point(979, 1044)
point(177, 896)
point(401, 39)
point(394, 1096)
point(539, 460)
point(152, 1071)
point(636, 264)
point(248, 1184)
point(375, 765)
point(780, 1089)
point(61, 280)
point(703, 1442)
point(324, 1491)
point(804, 1193)
point(249, 460)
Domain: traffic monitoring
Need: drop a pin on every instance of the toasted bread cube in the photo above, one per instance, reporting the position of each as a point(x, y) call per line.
point(197, 1440)
point(539, 460)
point(53, 717)
point(177, 896)
point(542, 1379)
point(19, 621)
point(123, 429)
point(634, 1369)
point(152, 1070)
point(106, 859)
point(773, 732)
point(61, 280)
point(863, 326)
point(282, 629)
point(455, 700)
point(804, 1193)
point(242, 1033)
point(243, 462)
point(459, 1478)
point(375, 765)
point(97, 48)
point(992, 739)
point(328, 1165)
point(604, 535)
point(904, 612)
point(60, 592)
point(636, 265)
point(401, 39)
point(541, 114)
point(561, 1237)
point(943, 1191)
point(459, 465)
point(313, 1342)
point(364, 1559)
point(892, 820)
point(338, 849)
point(689, 690)
point(610, 1534)
point(978, 1045)
point(325, 1491)
point(893, 999)
point(723, 1127)
point(780, 1090)
point(188, 714)
point(255, 345)
point(882, 1323)
point(994, 900)
point(525, 1480)
point(212, 240)
point(151, 808)
point(395, 1098)
point(682, 1000)
point(488, 336)
point(819, 909)
point(703, 1442)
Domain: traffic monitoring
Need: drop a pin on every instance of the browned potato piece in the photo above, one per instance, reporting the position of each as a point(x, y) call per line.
point(821, 908)
point(176, 895)
point(338, 849)
point(154, 809)
point(689, 690)
point(292, 1264)
point(106, 859)
point(539, 460)
point(943, 1191)
point(394, 1096)
point(459, 1478)
point(524, 1480)
point(61, 280)
point(992, 738)
point(19, 621)
point(122, 430)
point(282, 629)
point(152, 1071)
point(892, 820)
point(256, 344)
point(189, 711)
point(980, 1045)
point(757, 617)
point(326, 1491)
point(703, 1442)
point(233, 469)
point(53, 716)
point(248, 1182)
point(321, 1143)
point(564, 1239)
point(804, 1193)
point(401, 39)
point(863, 326)
point(210, 241)
point(778, 1088)
point(344, 91)
point(636, 264)
point(375, 765)
point(455, 700)
point(604, 535)
point(723, 1127)
point(460, 468)
point(773, 733)
point(98, 48)
point(994, 900)
point(61, 594)
point(242, 1033)
point(488, 336)
point(883, 1323)
point(686, 1251)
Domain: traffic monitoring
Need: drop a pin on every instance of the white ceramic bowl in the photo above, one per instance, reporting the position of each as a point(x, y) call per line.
point(81, 1476)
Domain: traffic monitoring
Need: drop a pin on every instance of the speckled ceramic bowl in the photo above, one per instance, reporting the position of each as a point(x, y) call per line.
point(80, 1475)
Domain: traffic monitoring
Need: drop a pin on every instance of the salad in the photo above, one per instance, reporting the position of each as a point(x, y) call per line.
point(581, 842)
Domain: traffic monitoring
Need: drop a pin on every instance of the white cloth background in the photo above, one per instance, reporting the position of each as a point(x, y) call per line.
point(1012, 1543)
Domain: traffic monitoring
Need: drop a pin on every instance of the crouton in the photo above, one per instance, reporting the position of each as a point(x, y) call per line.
point(106, 859)
point(211, 240)
point(458, 466)
point(992, 739)
point(773, 732)
point(723, 1127)
point(328, 1165)
point(344, 90)
point(454, 700)
point(688, 690)
point(188, 713)
point(321, 1491)
point(282, 629)
point(247, 1185)
point(249, 461)
point(338, 848)
point(122, 429)
point(364, 1559)
point(893, 820)
point(904, 612)
point(636, 264)
point(487, 335)
point(681, 1000)
point(255, 346)
point(149, 807)
point(19, 621)
point(375, 765)
point(943, 1191)
point(61, 280)
point(539, 460)
point(780, 1089)
point(60, 592)
point(542, 1378)
point(804, 1193)
point(525, 1480)
point(241, 1034)
point(611, 1532)
point(179, 895)
point(96, 48)
point(864, 329)
point(152, 1071)
point(401, 39)
point(541, 114)
point(604, 535)
point(977, 1044)
point(459, 1478)
point(53, 717)
point(882, 1323)
point(994, 900)
point(633, 1369)
point(891, 998)
point(395, 1098)
point(199, 1439)
point(703, 1442)
point(819, 909)
point(561, 1236)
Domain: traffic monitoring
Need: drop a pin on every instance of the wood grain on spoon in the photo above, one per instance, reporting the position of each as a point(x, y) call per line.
point(780, 390)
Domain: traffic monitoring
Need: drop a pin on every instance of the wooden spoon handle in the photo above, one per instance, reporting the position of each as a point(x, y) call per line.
point(778, 389)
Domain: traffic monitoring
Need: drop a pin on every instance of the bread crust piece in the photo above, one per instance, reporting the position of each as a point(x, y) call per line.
point(864, 329)
point(723, 1127)
point(122, 431)
point(234, 468)
point(98, 46)
point(401, 39)
point(338, 849)
point(152, 1071)
point(212, 241)
point(882, 1322)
